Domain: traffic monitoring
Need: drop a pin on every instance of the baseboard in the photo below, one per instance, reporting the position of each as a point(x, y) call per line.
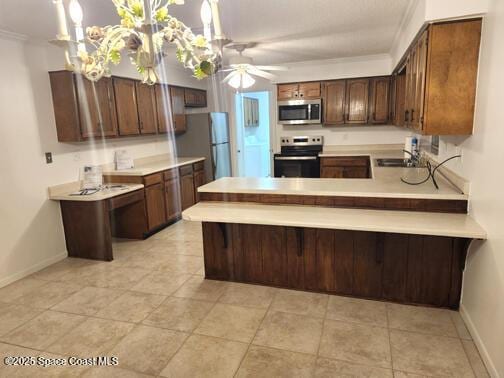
point(34, 268)
point(485, 356)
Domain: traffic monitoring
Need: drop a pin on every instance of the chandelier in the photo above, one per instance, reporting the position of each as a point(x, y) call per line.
point(145, 31)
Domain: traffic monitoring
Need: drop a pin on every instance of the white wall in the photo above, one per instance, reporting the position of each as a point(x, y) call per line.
point(482, 158)
point(30, 224)
point(483, 287)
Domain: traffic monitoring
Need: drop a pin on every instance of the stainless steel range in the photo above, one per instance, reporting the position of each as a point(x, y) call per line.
point(299, 156)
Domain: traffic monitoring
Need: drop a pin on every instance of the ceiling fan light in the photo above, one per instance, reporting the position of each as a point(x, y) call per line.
point(247, 80)
point(75, 11)
point(235, 81)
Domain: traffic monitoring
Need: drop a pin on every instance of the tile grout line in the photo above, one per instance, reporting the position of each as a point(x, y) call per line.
point(389, 338)
point(255, 335)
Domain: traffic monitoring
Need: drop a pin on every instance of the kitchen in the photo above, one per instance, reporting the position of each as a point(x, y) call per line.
point(346, 271)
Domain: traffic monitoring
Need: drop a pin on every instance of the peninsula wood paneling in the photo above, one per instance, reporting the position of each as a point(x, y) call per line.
point(396, 267)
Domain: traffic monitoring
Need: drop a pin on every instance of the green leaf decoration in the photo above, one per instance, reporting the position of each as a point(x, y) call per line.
point(115, 56)
point(206, 67)
point(198, 73)
point(137, 9)
point(161, 14)
point(181, 55)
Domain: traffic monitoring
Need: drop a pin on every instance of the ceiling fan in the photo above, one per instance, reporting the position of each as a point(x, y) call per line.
point(242, 69)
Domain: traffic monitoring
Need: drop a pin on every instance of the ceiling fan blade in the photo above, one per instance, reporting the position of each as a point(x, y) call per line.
point(254, 71)
point(273, 68)
point(230, 76)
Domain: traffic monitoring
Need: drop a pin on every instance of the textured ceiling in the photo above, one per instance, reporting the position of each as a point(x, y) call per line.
point(287, 30)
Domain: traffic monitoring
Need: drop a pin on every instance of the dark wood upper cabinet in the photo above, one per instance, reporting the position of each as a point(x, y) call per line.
point(83, 109)
point(126, 105)
point(147, 113)
point(399, 100)
point(195, 98)
point(334, 97)
point(116, 106)
point(441, 68)
point(177, 96)
point(299, 91)
point(379, 96)
point(288, 91)
point(163, 107)
point(309, 90)
point(357, 95)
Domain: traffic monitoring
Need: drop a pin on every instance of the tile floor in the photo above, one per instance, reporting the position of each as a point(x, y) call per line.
point(152, 309)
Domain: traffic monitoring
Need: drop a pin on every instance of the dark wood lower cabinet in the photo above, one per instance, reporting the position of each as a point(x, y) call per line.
point(401, 268)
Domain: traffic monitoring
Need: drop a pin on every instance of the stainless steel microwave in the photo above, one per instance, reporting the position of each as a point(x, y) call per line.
point(299, 112)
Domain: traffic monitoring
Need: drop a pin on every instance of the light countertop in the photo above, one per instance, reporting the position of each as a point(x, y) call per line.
point(385, 182)
point(149, 167)
point(64, 192)
point(403, 222)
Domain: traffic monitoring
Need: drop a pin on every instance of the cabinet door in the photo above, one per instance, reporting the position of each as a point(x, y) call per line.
point(146, 98)
point(418, 108)
point(411, 82)
point(163, 107)
point(400, 98)
point(355, 172)
point(172, 199)
point(334, 102)
point(379, 101)
point(332, 172)
point(178, 109)
point(309, 91)
point(288, 91)
point(195, 98)
point(357, 94)
point(199, 180)
point(187, 190)
point(126, 105)
point(295, 245)
point(97, 111)
point(154, 197)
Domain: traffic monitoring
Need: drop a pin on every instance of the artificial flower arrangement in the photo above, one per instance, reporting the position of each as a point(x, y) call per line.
point(145, 34)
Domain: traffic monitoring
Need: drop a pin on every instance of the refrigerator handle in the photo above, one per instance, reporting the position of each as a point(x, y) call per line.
point(214, 160)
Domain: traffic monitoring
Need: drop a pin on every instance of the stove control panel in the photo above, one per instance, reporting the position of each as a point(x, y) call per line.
point(302, 141)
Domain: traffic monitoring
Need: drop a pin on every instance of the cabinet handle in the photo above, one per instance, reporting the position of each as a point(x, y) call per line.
point(412, 116)
point(406, 116)
point(222, 227)
point(300, 237)
point(301, 95)
point(141, 125)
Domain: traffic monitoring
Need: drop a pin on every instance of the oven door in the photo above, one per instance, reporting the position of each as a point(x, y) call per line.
point(299, 112)
point(297, 166)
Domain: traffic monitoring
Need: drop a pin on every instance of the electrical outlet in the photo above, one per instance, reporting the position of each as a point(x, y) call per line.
point(48, 157)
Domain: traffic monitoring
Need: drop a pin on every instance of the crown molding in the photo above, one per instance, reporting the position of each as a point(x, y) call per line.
point(348, 59)
point(406, 18)
point(6, 34)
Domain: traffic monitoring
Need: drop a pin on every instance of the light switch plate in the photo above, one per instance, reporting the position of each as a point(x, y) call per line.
point(48, 157)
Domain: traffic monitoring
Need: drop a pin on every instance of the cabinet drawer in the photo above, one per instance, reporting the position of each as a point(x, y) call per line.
point(126, 199)
point(199, 166)
point(156, 178)
point(170, 174)
point(352, 161)
point(186, 170)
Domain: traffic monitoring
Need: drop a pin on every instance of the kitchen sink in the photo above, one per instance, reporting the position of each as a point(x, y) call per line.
point(404, 163)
